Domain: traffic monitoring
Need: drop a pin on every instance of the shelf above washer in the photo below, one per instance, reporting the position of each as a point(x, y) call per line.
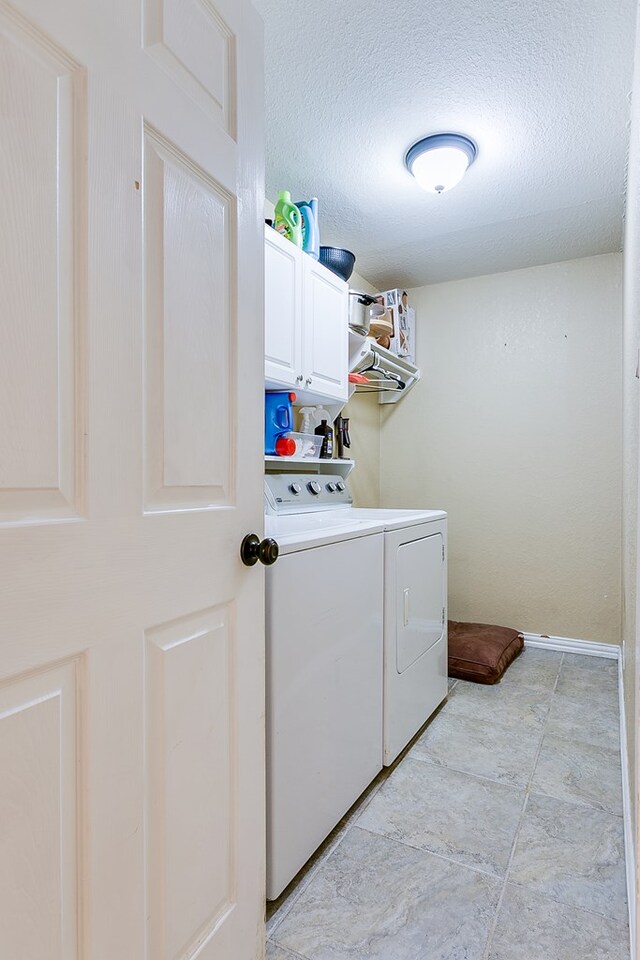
point(383, 369)
point(308, 465)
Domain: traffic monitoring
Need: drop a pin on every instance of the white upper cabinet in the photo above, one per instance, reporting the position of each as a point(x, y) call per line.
point(306, 323)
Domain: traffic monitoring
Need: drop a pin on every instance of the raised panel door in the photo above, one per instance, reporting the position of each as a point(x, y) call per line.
point(131, 360)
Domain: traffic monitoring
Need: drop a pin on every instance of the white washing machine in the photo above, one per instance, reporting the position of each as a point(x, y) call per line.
point(324, 666)
point(356, 653)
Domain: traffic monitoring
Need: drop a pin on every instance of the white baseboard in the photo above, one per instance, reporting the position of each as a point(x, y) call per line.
point(568, 645)
point(629, 851)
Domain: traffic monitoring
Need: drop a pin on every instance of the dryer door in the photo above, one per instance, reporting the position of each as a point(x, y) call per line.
point(420, 598)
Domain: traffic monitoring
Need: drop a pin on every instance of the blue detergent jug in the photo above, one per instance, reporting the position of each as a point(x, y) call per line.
point(278, 417)
point(310, 228)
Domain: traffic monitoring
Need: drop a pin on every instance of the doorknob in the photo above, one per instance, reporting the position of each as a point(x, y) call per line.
point(252, 550)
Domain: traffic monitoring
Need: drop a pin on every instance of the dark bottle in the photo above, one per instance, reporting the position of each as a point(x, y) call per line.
point(337, 429)
point(343, 440)
point(325, 431)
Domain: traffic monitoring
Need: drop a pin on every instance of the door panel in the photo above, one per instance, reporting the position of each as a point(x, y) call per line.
point(190, 223)
point(131, 645)
point(194, 42)
point(38, 813)
point(420, 598)
point(190, 680)
point(44, 120)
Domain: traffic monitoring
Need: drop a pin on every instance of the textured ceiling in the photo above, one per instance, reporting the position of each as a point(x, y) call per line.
point(541, 85)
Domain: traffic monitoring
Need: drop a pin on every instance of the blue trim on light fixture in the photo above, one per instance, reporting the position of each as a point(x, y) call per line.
point(440, 140)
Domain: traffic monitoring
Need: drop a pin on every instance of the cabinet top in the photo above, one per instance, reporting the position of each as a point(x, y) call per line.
point(276, 240)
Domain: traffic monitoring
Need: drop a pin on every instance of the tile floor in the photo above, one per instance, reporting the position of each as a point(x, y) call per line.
point(497, 836)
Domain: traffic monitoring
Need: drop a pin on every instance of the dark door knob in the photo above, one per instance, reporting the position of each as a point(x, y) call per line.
point(252, 550)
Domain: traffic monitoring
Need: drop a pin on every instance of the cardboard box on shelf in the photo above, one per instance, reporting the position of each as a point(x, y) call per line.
point(403, 339)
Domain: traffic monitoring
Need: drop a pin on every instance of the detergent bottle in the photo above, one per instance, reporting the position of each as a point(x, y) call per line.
point(310, 230)
point(278, 420)
point(288, 219)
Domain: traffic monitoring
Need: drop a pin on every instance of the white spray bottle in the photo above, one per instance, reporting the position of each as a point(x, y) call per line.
point(308, 415)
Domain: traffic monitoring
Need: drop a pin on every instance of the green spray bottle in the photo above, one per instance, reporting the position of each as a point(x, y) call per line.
point(288, 220)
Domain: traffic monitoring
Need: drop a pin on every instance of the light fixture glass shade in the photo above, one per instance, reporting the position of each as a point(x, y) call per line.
point(441, 161)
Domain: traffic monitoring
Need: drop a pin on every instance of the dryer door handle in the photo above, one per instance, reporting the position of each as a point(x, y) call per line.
point(405, 605)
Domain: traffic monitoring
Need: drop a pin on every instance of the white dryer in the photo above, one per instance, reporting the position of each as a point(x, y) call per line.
point(415, 620)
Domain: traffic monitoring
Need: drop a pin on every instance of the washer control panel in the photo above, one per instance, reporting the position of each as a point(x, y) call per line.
point(300, 493)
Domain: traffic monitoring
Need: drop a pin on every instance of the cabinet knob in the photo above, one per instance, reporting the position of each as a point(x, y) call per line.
point(299, 378)
point(308, 380)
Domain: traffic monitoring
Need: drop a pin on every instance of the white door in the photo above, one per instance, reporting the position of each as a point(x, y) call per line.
point(131, 637)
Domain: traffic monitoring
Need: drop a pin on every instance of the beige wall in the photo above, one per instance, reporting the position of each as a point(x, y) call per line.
point(364, 413)
point(364, 424)
point(515, 430)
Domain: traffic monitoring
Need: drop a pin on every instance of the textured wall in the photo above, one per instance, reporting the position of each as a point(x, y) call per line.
point(515, 429)
point(364, 412)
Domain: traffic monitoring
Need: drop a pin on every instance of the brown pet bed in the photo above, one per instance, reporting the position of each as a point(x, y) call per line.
point(481, 652)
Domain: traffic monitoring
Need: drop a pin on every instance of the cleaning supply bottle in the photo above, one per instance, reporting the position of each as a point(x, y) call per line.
point(337, 432)
point(278, 419)
point(308, 415)
point(310, 230)
point(325, 431)
point(346, 436)
point(288, 219)
point(321, 414)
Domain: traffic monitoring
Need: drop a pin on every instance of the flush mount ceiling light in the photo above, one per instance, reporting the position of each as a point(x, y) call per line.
point(440, 161)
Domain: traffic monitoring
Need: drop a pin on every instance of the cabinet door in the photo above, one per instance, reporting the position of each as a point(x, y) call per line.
point(282, 311)
point(325, 332)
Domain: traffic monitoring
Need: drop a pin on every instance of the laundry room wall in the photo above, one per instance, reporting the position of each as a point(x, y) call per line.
point(364, 413)
point(515, 430)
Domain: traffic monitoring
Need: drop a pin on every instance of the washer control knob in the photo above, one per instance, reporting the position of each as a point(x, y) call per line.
point(295, 488)
point(314, 487)
point(340, 486)
point(331, 487)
